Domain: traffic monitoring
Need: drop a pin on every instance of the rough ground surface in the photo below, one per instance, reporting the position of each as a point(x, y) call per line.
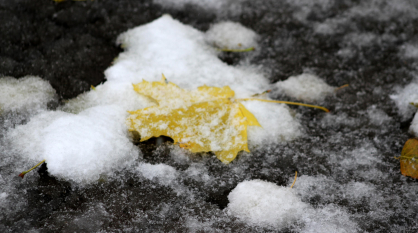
point(360, 43)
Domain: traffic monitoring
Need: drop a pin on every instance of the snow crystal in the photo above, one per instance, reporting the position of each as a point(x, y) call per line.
point(346, 52)
point(309, 187)
point(305, 87)
point(334, 120)
point(364, 155)
point(179, 155)
point(377, 116)
point(403, 98)
point(331, 218)
point(329, 26)
point(3, 197)
point(194, 225)
point(164, 173)
point(410, 51)
point(211, 4)
point(28, 93)
point(360, 39)
point(265, 204)
point(328, 218)
point(90, 221)
point(325, 28)
point(357, 190)
point(385, 11)
point(198, 172)
point(413, 129)
point(307, 6)
point(76, 147)
point(231, 35)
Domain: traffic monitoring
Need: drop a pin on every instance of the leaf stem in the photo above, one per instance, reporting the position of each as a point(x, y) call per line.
point(287, 102)
point(294, 181)
point(238, 50)
point(338, 88)
point(260, 94)
point(23, 173)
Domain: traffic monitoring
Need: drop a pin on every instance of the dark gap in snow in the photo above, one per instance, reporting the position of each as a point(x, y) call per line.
point(156, 151)
point(231, 58)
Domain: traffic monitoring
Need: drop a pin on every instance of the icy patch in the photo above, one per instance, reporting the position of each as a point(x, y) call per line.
point(305, 87)
point(77, 147)
point(277, 124)
point(29, 93)
point(230, 35)
point(265, 204)
point(165, 174)
point(403, 98)
point(182, 54)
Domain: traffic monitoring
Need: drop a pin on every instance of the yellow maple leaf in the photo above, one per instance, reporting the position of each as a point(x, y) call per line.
point(409, 158)
point(202, 120)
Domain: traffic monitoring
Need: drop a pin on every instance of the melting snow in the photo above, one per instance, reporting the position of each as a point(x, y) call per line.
point(230, 35)
point(263, 203)
point(305, 87)
point(25, 94)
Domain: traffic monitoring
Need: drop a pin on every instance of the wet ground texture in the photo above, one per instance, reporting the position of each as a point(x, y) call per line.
point(70, 44)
